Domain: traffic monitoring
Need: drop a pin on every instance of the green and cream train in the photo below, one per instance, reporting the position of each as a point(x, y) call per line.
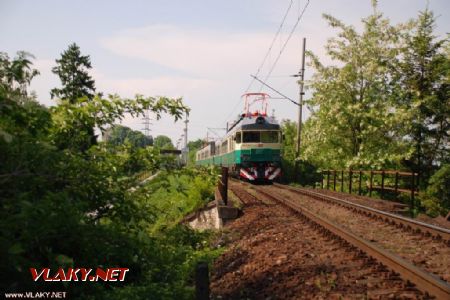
point(251, 147)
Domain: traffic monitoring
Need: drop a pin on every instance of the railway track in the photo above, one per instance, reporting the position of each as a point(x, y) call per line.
point(393, 219)
point(424, 280)
point(426, 251)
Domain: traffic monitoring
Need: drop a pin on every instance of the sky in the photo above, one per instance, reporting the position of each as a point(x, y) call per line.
point(203, 51)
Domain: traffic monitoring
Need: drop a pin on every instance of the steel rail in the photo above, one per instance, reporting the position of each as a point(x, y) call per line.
point(435, 231)
point(426, 282)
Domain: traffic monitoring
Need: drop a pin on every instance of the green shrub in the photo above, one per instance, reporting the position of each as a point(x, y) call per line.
point(436, 198)
point(432, 206)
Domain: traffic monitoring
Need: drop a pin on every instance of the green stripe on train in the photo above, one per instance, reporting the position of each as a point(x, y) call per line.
point(239, 156)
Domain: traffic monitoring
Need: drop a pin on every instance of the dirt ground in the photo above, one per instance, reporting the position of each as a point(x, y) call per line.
point(273, 254)
point(425, 252)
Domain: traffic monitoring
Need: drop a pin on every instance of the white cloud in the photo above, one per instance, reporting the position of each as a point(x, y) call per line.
point(215, 64)
point(209, 69)
point(197, 52)
point(170, 86)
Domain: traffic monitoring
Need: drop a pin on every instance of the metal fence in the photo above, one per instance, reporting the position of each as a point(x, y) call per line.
point(384, 181)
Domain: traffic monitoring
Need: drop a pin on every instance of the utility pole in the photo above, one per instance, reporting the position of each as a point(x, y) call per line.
point(186, 150)
point(300, 101)
point(301, 74)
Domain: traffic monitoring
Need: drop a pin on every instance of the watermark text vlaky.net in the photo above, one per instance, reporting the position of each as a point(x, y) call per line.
point(79, 274)
point(36, 295)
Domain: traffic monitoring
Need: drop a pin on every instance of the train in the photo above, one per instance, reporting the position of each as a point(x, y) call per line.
point(251, 148)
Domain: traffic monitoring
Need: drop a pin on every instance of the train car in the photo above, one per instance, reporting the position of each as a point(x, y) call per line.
point(251, 147)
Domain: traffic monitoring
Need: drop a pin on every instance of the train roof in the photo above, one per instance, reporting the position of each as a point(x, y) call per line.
point(255, 122)
point(249, 122)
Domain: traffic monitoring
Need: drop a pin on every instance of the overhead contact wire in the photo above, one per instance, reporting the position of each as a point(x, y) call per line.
point(286, 42)
point(271, 45)
point(265, 57)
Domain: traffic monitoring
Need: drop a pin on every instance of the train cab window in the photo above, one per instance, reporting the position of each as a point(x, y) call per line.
point(251, 137)
point(269, 136)
point(238, 138)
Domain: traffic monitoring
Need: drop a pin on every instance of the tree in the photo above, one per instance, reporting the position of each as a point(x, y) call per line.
point(289, 129)
point(289, 159)
point(76, 85)
point(72, 69)
point(118, 135)
point(193, 147)
point(16, 74)
point(426, 85)
point(436, 197)
point(295, 169)
point(72, 121)
point(163, 142)
point(56, 197)
point(355, 115)
point(197, 144)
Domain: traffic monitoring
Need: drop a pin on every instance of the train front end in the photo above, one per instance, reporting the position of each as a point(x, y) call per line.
point(252, 145)
point(258, 147)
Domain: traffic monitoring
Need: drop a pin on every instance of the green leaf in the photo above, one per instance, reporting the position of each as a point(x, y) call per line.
point(16, 249)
